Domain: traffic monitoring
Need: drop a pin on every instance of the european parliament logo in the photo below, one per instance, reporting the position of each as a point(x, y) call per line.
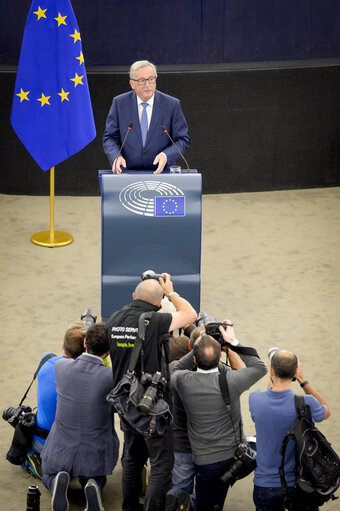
point(153, 198)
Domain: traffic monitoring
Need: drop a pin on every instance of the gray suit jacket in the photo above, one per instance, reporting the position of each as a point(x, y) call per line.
point(82, 440)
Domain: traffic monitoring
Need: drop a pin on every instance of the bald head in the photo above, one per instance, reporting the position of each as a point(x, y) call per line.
point(150, 291)
point(284, 364)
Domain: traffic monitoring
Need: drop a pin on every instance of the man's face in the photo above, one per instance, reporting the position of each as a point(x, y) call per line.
point(147, 90)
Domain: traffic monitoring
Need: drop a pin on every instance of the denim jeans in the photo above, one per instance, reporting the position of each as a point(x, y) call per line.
point(210, 492)
point(183, 475)
point(271, 499)
point(159, 449)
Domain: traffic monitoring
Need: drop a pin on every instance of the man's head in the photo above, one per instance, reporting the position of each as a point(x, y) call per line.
point(96, 340)
point(73, 344)
point(150, 291)
point(143, 77)
point(284, 364)
point(207, 352)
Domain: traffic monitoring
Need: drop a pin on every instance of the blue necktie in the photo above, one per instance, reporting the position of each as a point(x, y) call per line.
point(144, 123)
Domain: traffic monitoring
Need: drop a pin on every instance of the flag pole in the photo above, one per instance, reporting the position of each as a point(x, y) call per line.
point(51, 238)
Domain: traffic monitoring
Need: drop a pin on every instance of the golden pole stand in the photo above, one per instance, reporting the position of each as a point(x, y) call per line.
point(51, 238)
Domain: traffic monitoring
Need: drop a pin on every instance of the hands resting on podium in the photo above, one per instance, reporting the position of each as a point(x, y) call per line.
point(119, 162)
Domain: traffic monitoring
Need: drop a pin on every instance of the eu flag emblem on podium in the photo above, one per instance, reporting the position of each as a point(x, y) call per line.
point(52, 112)
point(170, 206)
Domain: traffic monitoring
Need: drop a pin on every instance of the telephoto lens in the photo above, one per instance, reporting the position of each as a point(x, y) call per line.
point(271, 352)
point(33, 498)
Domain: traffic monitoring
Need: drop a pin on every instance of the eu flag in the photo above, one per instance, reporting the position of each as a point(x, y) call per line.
point(51, 111)
point(170, 205)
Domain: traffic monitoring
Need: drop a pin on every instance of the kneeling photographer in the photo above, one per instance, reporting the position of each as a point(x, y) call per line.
point(31, 429)
point(215, 428)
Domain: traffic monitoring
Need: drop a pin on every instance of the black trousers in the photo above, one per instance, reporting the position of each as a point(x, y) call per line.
point(137, 449)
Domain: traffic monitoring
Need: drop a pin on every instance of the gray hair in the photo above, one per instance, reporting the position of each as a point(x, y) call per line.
point(139, 64)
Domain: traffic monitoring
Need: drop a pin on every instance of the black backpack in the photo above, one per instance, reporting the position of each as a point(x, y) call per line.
point(317, 464)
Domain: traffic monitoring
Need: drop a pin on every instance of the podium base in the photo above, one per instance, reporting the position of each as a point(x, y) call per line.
point(44, 239)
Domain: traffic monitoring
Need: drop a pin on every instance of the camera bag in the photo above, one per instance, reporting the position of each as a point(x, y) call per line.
point(317, 464)
point(129, 391)
point(26, 426)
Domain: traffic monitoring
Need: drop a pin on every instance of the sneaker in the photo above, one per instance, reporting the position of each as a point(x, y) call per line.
point(180, 502)
point(33, 465)
point(59, 495)
point(93, 496)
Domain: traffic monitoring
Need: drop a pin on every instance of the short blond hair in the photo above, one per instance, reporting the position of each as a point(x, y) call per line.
point(74, 339)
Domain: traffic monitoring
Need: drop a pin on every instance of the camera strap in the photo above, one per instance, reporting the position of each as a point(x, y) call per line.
point(138, 349)
point(42, 362)
point(243, 350)
point(222, 378)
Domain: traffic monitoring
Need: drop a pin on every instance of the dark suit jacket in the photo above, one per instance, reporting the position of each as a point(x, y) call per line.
point(166, 111)
point(82, 440)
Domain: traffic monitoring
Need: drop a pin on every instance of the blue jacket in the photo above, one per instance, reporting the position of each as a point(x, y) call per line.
point(166, 112)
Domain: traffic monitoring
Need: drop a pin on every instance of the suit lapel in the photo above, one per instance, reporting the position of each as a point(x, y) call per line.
point(135, 117)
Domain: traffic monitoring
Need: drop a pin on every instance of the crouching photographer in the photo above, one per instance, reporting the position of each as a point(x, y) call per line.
point(215, 424)
point(32, 428)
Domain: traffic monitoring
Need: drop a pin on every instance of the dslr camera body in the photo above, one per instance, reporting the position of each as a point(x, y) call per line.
point(211, 327)
point(155, 385)
point(150, 274)
point(244, 464)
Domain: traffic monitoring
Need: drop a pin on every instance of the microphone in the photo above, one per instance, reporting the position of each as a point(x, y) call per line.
point(130, 126)
point(179, 152)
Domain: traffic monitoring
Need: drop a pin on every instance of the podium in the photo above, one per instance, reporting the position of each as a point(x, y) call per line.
point(149, 222)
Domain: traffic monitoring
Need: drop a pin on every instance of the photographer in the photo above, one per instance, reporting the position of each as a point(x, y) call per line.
point(211, 428)
point(122, 328)
point(73, 346)
point(273, 412)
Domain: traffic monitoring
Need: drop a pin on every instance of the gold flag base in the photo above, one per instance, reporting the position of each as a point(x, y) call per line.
point(46, 239)
point(51, 238)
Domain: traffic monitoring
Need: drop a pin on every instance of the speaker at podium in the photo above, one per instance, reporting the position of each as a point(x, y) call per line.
point(149, 222)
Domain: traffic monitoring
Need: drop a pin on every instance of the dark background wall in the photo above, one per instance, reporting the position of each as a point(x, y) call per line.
point(118, 32)
point(257, 120)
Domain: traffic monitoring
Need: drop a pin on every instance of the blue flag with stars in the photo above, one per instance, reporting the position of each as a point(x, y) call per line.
point(51, 111)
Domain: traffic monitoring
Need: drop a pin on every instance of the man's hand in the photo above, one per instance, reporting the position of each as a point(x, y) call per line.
point(161, 160)
point(299, 374)
point(117, 163)
point(167, 285)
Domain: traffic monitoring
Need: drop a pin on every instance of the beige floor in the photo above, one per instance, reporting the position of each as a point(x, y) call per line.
point(270, 262)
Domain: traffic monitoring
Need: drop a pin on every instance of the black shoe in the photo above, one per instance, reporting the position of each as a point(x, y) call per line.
point(93, 496)
point(59, 495)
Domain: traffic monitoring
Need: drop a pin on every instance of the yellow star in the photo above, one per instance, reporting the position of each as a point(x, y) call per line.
point(63, 95)
point(61, 19)
point(23, 95)
point(80, 58)
point(77, 80)
point(40, 13)
point(44, 100)
point(76, 36)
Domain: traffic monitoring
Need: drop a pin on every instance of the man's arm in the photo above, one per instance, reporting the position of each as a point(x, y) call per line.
point(185, 313)
point(308, 389)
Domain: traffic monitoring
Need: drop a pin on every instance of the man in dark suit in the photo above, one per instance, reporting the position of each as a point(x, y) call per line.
point(147, 147)
point(82, 442)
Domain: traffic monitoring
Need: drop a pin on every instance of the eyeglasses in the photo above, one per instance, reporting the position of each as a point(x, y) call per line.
point(142, 81)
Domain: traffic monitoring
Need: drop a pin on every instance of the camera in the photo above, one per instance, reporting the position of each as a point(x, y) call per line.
point(211, 327)
point(13, 415)
point(244, 464)
point(88, 318)
point(156, 384)
point(150, 274)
